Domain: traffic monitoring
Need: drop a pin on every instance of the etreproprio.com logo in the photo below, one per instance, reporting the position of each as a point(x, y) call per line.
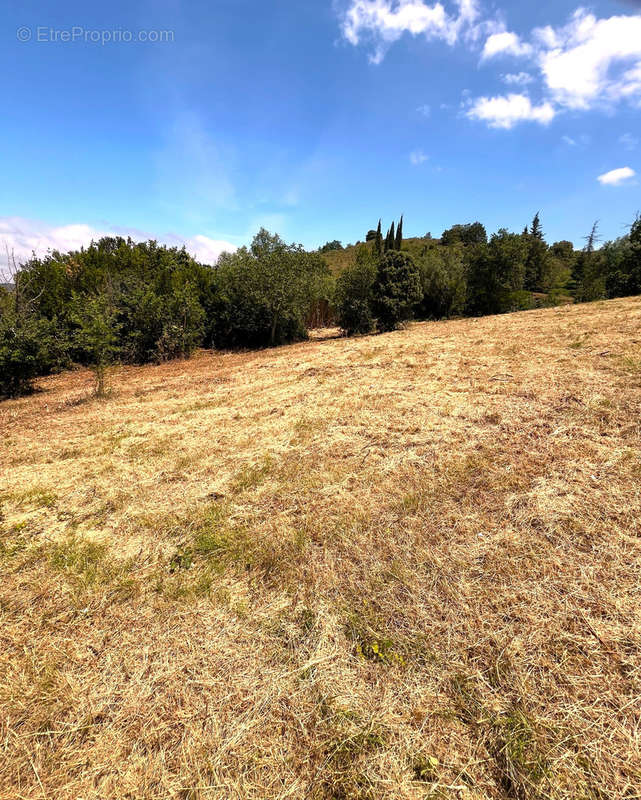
point(77, 34)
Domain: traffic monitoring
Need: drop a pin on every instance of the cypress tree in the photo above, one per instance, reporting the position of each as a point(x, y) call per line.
point(392, 237)
point(399, 235)
point(378, 242)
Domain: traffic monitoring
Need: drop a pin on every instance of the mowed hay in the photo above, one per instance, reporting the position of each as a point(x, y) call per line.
point(403, 566)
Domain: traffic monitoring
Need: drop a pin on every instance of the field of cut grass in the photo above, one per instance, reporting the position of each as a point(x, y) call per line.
point(403, 566)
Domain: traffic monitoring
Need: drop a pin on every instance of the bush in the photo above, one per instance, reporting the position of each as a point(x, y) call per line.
point(397, 289)
point(142, 319)
point(96, 335)
point(354, 295)
point(29, 346)
point(443, 283)
point(262, 295)
point(183, 325)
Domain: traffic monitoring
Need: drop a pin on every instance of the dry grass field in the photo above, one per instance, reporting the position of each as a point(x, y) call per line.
point(404, 566)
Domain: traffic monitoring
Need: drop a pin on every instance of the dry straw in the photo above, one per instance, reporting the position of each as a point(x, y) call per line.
point(403, 566)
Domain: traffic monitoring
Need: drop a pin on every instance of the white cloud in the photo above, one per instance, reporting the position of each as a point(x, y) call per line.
point(616, 176)
point(418, 157)
point(505, 43)
point(506, 111)
point(22, 237)
point(425, 110)
point(517, 78)
point(588, 63)
point(569, 141)
point(629, 141)
point(578, 62)
point(383, 22)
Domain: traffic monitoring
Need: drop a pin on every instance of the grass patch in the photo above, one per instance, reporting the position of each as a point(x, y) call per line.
point(512, 739)
point(36, 497)
point(349, 744)
point(88, 567)
point(251, 476)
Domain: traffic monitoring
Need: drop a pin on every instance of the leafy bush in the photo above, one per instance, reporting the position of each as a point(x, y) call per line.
point(354, 295)
point(29, 346)
point(397, 289)
point(96, 335)
point(443, 283)
point(142, 319)
point(262, 295)
point(183, 325)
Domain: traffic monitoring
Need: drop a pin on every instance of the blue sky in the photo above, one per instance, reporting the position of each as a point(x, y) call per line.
point(316, 118)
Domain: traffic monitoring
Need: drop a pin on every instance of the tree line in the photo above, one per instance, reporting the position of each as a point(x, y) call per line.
point(136, 303)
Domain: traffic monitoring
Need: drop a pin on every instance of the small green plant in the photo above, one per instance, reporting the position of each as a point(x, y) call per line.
point(97, 335)
point(425, 768)
point(370, 645)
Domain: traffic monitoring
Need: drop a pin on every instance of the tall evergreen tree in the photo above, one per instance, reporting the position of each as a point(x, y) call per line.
point(536, 232)
point(399, 235)
point(392, 237)
point(592, 238)
point(378, 241)
point(582, 264)
point(537, 265)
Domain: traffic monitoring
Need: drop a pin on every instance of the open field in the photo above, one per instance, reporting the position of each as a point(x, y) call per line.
point(403, 566)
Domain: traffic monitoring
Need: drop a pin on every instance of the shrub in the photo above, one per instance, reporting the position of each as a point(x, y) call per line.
point(96, 335)
point(354, 295)
point(443, 283)
point(262, 295)
point(29, 346)
point(142, 314)
point(397, 289)
point(183, 325)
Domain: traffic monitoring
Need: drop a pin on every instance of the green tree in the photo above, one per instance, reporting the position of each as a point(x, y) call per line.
point(537, 267)
point(354, 295)
point(536, 231)
point(632, 259)
point(473, 233)
point(585, 281)
point(443, 282)
point(378, 241)
point(390, 239)
point(398, 243)
point(329, 246)
point(261, 295)
point(96, 335)
point(496, 275)
point(29, 346)
point(183, 325)
point(397, 290)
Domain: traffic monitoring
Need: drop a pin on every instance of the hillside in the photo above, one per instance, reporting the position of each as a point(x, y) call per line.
point(397, 566)
point(338, 260)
